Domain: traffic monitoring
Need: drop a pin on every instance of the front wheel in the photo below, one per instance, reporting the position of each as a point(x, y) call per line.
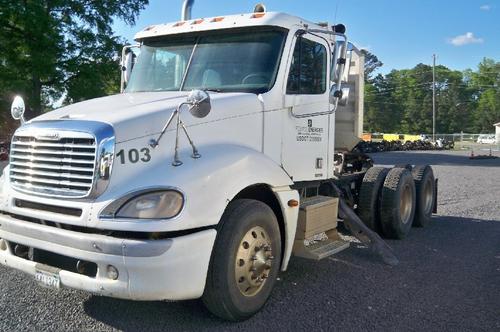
point(245, 261)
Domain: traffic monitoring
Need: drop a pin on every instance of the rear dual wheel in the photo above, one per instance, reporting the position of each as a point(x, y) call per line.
point(390, 206)
point(426, 191)
point(369, 197)
point(397, 203)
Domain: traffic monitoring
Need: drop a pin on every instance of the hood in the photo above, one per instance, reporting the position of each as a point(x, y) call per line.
point(142, 114)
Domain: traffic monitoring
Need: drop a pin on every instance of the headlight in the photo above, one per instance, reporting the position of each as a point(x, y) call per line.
point(153, 205)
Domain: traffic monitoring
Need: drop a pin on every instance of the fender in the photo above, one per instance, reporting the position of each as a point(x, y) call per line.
point(209, 184)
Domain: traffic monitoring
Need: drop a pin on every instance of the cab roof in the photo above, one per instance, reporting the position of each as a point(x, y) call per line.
point(282, 20)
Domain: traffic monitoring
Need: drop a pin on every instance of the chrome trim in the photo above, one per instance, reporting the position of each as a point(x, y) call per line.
point(103, 152)
point(106, 155)
point(109, 211)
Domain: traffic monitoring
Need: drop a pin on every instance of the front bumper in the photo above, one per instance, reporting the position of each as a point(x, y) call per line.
point(169, 269)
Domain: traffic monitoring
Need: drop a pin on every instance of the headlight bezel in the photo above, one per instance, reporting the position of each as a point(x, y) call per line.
point(111, 211)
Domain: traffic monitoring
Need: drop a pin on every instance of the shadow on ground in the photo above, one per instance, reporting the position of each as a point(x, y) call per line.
point(448, 278)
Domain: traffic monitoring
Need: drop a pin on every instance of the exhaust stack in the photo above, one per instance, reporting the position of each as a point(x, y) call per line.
point(186, 9)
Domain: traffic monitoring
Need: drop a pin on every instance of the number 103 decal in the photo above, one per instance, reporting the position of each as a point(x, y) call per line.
point(134, 155)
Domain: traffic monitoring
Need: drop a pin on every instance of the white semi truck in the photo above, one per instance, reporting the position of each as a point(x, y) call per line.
point(227, 150)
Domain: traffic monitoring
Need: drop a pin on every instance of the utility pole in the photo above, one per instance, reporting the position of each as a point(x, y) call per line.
point(434, 97)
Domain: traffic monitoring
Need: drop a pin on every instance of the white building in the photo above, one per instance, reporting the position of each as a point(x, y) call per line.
point(497, 132)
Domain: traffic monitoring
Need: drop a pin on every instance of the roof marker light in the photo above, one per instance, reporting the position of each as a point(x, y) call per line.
point(258, 15)
point(178, 24)
point(217, 19)
point(198, 21)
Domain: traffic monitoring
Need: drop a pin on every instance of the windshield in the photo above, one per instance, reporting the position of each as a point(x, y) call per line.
point(244, 61)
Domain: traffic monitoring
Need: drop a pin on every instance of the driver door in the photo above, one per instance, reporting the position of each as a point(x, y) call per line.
point(306, 126)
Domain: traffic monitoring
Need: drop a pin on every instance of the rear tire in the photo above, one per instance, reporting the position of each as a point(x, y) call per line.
point(407, 166)
point(397, 208)
point(425, 193)
point(246, 242)
point(369, 197)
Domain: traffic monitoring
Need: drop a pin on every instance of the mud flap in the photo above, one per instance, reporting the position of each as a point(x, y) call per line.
point(364, 234)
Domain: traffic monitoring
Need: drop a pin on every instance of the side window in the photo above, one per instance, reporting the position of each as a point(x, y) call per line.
point(308, 69)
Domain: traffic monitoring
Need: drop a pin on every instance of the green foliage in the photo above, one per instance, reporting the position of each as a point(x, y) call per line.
point(60, 48)
point(401, 101)
point(372, 63)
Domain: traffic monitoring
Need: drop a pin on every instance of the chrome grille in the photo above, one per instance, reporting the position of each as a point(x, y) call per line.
point(61, 165)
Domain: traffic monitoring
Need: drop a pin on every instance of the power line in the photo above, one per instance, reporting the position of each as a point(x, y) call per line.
point(434, 97)
point(389, 90)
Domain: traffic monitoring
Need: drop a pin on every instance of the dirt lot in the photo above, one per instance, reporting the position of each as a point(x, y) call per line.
point(448, 276)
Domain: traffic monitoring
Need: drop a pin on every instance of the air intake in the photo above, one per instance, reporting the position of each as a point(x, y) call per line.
point(59, 165)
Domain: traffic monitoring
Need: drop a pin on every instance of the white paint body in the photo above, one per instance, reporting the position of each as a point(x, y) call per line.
point(247, 139)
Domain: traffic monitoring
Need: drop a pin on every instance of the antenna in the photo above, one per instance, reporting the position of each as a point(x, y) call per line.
point(336, 10)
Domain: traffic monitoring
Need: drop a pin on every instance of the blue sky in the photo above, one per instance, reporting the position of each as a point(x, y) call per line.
point(401, 33)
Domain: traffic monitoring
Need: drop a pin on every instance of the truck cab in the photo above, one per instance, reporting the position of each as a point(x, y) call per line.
point(188, 183)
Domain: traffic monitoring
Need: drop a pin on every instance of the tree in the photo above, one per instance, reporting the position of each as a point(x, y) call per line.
point(485, 84)
point(60, 48)
point(406, 95)
point(372, 63)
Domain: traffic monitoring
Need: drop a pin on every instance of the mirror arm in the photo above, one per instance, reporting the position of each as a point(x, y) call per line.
point(177, 161)
point(154, 142)
point(195, 154)
point(195, 101)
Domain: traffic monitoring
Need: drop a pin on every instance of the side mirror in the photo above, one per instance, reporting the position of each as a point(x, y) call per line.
point(200, 105)
point(338, 61)
point(17, 109)
point(127, 66)
point(348, 61)
point(340, 96)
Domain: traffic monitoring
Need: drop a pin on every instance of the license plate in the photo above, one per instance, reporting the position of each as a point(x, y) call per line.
point(48, 279)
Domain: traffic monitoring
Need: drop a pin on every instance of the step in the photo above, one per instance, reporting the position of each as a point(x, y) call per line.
point(319, 250)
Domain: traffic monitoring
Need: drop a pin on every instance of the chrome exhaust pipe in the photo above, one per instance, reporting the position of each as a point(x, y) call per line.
point(186, 9)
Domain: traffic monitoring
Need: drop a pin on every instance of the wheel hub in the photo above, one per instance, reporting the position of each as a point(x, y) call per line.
point(253, 261)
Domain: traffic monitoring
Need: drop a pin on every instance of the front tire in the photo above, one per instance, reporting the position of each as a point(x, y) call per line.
point(245, 261)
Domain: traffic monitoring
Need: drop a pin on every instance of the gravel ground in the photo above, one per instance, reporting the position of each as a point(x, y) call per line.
point(448, 277)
